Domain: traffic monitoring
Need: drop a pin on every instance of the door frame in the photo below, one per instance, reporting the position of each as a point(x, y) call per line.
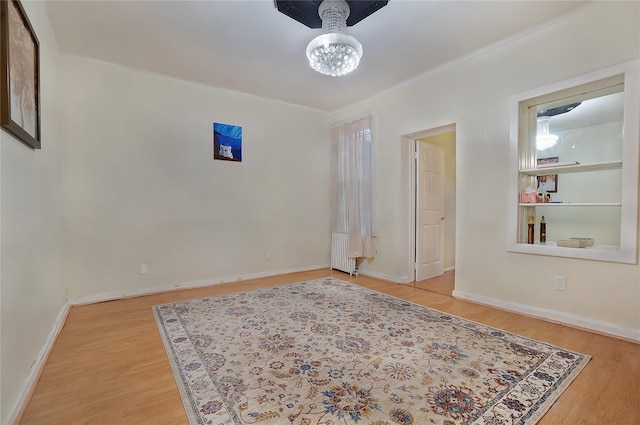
point(408, 148)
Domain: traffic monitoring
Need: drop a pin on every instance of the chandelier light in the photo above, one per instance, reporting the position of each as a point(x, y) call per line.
point(334, 52)
point(544, 139)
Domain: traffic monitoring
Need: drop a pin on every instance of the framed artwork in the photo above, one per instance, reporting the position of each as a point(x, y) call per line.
point(20, 73)
point(548, 182)
point(227, 142)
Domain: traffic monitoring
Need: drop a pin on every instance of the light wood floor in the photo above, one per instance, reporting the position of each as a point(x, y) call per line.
point(442, 284)
point(108, 365)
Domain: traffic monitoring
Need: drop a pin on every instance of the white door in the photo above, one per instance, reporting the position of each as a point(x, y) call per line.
point(430, 216)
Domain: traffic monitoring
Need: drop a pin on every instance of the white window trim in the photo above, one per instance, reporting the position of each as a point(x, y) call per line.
point(628, 251)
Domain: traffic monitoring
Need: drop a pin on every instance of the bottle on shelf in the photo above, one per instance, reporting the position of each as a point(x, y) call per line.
point(543, 231)
point(531, 233)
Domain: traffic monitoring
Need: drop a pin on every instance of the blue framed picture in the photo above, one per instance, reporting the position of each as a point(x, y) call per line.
point(227, 142)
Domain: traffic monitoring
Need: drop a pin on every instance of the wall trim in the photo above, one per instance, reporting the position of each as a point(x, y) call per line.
point(554, 316)
point(394, 279)
point(29, 385)
point(111, 296)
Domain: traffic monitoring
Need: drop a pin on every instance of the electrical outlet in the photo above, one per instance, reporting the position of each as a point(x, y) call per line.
point(561, 283)
point(144, 269)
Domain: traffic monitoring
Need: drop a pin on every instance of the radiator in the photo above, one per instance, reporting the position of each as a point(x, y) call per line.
point(339, 254)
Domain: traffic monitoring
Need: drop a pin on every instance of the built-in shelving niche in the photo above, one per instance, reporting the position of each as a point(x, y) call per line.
point(592, 167)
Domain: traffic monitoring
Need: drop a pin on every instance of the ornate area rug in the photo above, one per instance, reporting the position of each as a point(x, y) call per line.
point(328, 352)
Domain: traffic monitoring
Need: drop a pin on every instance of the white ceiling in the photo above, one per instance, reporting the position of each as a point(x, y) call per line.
point(249, 46)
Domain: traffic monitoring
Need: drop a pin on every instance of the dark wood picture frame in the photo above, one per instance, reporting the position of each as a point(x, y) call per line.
point(548, 182)
point(20, 74)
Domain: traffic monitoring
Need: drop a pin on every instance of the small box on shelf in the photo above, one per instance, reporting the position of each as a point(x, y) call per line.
point(575, 242)
point(528, 197)
point(568, 243)
point(534, 198)
point(586, 241)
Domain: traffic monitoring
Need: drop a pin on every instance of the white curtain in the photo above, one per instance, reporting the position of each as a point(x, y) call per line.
point(352, 185)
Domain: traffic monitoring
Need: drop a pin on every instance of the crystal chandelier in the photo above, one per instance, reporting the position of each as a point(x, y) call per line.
point(334, 52)
point(544, 139)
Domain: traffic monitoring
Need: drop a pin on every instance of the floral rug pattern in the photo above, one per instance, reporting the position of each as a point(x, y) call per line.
point(328, 352)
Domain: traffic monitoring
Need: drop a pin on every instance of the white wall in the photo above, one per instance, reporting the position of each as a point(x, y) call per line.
point(131, 174)
point(126, 176)
point(31, 288)
point(474, 94)
point(141, 185)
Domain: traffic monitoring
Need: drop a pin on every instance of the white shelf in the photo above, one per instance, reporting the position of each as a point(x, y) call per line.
point(596, 252)
point(574, 168)
point(573, 204)
point(553, 244)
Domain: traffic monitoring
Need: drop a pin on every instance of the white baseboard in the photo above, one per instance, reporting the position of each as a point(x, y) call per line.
point(110, 296)
point(34, 374)
point(554, 316)
point(549, 315)
point(402, 279)
point(383, 276)
point(29, 384)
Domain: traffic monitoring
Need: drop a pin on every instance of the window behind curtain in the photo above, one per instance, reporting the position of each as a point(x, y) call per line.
point(352, 185)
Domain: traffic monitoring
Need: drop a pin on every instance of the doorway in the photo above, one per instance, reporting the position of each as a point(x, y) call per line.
point(433, 207)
